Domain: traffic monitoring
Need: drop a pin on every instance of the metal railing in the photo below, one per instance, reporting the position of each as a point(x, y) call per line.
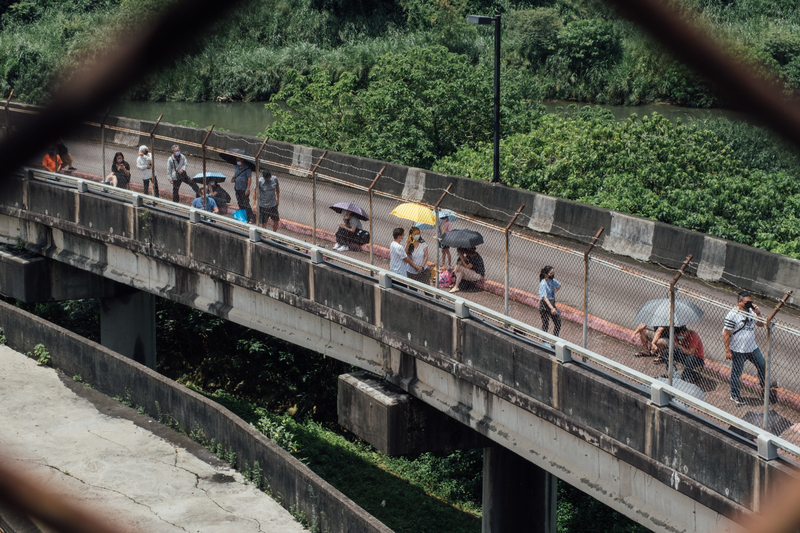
point(660, 393)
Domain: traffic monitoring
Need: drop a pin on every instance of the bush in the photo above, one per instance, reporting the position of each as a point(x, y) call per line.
point(783, 47)
point(533, 33)
point(589, 44)
point(681, 175)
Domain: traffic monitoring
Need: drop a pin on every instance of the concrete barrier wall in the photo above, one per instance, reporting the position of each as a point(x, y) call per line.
point(646, 240)
point(290, 481)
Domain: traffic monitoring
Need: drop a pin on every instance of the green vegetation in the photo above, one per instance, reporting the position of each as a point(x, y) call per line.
point(562, 49)
point(685, 175)
point(41, 355)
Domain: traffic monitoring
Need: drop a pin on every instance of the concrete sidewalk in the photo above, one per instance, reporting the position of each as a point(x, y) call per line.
point(103, 455)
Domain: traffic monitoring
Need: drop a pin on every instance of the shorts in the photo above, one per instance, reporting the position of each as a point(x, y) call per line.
point(265, 213)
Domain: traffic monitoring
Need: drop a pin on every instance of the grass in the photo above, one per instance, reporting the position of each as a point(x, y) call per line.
point(406, 494)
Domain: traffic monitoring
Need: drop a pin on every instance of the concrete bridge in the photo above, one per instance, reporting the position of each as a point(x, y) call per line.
point(660, 457)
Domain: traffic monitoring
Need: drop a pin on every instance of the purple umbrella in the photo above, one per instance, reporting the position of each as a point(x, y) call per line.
point(353, 208)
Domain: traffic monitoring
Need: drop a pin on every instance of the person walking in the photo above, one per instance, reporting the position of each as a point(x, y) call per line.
point(548, 286)
point(177, 166)
point(242, 180)
point(266, 199)
point(739, 338)
point(145, 163)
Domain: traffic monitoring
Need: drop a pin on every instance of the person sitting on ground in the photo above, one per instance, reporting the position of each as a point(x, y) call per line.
point(120, 174)
point(346, 234)
point(51, 160)
point(210, 204)
point(220, 196)
point(654, 342)
point(63, 153)
point(469, 268)
point(267, 198)
point(417, 251)
point(688, 350)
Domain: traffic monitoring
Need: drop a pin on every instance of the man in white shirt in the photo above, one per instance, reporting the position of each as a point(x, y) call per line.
point(398, 259)
point(739, 338)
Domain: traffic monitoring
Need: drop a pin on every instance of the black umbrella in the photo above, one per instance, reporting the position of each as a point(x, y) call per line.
point(230, 158)
point(353, 208)
point(776, 423)
point(462, 238)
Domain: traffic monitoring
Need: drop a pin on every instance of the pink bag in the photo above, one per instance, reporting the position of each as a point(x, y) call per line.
point(445, 278)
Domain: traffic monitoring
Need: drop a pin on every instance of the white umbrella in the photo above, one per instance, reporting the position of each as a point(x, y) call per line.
point(656, 313)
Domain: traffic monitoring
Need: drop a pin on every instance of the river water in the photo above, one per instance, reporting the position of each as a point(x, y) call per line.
point(252, 118)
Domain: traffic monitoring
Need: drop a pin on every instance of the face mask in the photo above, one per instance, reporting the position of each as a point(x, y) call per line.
point(415, 238)
point(238, 163)
point(178, 154)
point(119, 160)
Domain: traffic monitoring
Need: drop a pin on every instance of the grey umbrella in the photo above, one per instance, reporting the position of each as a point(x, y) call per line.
point(656, 313)
point(776, 423)
point(685, 386)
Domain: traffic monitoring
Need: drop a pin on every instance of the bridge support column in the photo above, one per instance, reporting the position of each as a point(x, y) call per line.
point(517, 494)
point(128, 326)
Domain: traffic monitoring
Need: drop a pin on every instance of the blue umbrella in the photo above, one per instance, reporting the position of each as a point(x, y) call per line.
point(214, 176)
point(443, 213)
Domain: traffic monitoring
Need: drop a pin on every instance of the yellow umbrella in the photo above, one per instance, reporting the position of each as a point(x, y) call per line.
point(415, 212)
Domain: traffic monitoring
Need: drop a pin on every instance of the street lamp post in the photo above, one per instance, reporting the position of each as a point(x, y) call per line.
point(476, 19)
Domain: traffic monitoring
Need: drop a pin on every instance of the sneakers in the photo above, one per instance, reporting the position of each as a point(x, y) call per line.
point(72, 168)
point(337, 247)
point(454, 289)
point(737, 400)
point(344, 249)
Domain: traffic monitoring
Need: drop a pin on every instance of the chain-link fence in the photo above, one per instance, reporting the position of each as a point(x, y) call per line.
point(598, 302)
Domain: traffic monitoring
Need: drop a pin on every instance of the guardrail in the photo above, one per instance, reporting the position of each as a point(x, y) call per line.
point(661, 394)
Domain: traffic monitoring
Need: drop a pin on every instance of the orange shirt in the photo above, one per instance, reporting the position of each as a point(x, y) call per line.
point(51, 163)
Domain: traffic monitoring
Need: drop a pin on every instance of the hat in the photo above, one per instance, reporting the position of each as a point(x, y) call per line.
point(143, 148)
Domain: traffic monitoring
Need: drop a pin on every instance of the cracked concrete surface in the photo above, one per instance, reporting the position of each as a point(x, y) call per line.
point(143, 476)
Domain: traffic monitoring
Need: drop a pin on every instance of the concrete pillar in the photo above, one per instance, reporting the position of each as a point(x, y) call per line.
point(128, 326)
point(517, 495)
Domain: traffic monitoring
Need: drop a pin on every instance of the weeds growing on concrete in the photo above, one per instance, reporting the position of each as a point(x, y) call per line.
point(41, 355)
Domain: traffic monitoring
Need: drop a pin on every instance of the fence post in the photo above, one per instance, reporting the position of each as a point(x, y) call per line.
point(153, 155)
point(672, 315)
point(314, 199)
point(586, 287)
point(508, 230)
point(768, 369)
point(203, 147)
point(436, 214)
point(258, 169)
point(103, 140)
point(8, 100)
point(372, 235)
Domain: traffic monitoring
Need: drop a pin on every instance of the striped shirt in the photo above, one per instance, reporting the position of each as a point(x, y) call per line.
point(743, 326)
